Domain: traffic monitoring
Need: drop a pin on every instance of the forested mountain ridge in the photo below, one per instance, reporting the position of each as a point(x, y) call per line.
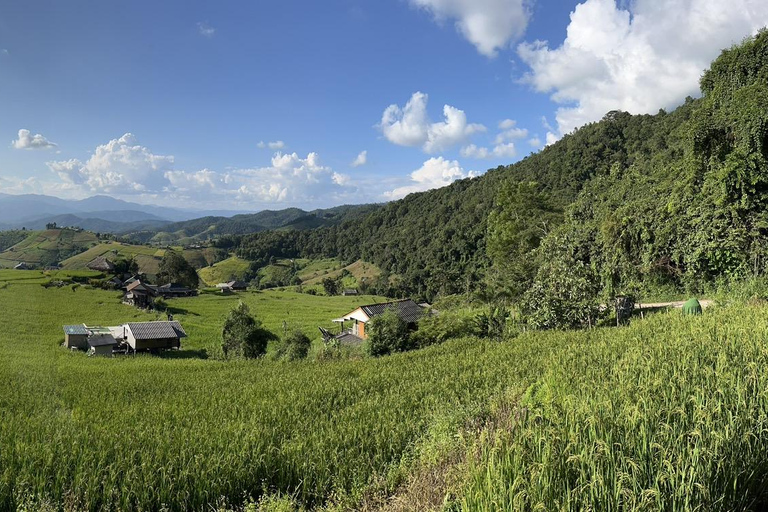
point(695, 211)
point(435, 241)
point(673, 198)
point(208, 227)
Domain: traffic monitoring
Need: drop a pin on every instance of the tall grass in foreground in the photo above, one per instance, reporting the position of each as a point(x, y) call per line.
point(139, 433)
point(667, 415)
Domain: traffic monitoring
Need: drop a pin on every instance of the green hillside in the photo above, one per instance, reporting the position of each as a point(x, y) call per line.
point(204, 228)
point(223, 271)
point(148, 258)
point(49, 247)
point(642, 203)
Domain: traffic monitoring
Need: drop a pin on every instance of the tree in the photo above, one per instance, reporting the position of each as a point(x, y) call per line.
point(565, 292)
point(243, 335)
point(295, 346)
point(387, 333)
point(127, 265)
point(331, 286)
point(523, 217)
point(175, 269)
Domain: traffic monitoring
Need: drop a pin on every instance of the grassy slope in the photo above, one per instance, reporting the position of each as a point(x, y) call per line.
point(358, 270)
point(148, 258)
point(42, 247)
point(222, 271)
point(670, 413)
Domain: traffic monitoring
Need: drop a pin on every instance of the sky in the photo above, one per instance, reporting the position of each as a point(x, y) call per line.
point(251, 105)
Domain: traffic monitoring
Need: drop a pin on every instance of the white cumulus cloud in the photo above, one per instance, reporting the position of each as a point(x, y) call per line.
point(499, 151)
point(361, 159)
point(411, 126)
point(640, 58)
point(289, 179)
point(490, 25)
point(120, 166)
point(434, 173)
point(509, 131)
point(26, 140)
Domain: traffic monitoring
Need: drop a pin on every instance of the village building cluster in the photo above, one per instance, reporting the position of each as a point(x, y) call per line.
point(131, 336)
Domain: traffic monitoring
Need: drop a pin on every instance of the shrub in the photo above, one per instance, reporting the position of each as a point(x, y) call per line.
point(160, 304)
point(438, 328)
point(491, 324)
point(295, 346)
point(564, 294)
point(387, 333)
point(243, 335)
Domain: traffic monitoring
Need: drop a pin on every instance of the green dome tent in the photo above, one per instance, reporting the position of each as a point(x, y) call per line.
point(692, 307)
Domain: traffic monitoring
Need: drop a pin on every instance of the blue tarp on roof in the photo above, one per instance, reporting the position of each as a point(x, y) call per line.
point(75, 329)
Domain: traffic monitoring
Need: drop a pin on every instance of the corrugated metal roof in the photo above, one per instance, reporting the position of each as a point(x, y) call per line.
point(101, 340)
point(406, 309)
point(75, 329)
point(156, 330)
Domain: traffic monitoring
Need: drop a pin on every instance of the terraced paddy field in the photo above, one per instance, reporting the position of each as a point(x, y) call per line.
point(670, 413)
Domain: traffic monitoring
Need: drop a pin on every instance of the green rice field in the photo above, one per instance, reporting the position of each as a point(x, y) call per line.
point(670, 413)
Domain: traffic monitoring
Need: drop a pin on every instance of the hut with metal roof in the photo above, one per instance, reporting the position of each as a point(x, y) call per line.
point(76, 336)
point(101, 342)
point(408, 311)
point(153, 335)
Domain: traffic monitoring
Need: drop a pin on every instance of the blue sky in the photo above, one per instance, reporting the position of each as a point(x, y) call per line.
point(267, 104)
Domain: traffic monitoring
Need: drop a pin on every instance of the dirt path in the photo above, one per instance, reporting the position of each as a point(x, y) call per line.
point(705, 303)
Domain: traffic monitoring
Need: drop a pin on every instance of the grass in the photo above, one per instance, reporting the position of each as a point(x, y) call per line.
point(223, 271)
point(670, 413)
point(47, 247)
point(315, 273)
point(148, 258)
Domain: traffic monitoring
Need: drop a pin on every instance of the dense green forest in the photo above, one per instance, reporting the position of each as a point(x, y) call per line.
point(635, 201)
point(205, 228)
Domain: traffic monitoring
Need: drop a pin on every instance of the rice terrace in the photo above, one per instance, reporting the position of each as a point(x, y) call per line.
point(207, 317)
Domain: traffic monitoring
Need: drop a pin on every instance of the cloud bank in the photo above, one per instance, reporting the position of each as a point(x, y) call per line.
point(647, 56)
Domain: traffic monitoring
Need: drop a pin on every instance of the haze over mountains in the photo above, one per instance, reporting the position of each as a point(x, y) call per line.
point(147, 223)
point(99, 213)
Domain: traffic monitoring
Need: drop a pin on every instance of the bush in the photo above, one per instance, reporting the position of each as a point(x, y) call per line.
point(387, 333)
point(564, 294)
point(295, 346)
point(159, 304)
point(438, 328)
point(243, 335)
point(492, 324)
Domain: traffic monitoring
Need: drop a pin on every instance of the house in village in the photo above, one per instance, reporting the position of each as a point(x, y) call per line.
point(100, 264)
point(408, 311)
point(96, 340)
point(139, 294)
point(22, 266)
point(153, 335)
point(349, 292)
point(172, 290)
point(134, 336)
point(142, 295)
point(233, 286)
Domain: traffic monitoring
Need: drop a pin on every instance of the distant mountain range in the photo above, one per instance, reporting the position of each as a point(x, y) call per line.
point(98, 213)
point(157, 223)
point(204, 228)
